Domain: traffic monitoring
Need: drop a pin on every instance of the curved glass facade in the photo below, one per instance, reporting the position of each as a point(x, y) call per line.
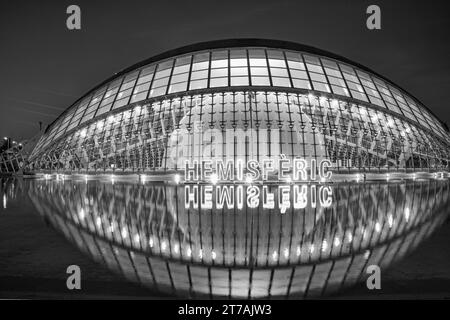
point(150, 118)
point(241, 125)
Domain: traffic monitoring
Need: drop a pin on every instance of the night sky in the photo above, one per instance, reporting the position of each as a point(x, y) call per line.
point(44, 67)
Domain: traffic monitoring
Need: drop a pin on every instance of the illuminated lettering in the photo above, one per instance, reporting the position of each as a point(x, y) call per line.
point(300, 196)
point(225, 194)
point(325, 196)
point(323, 173)
point(206, 169)
point(284, 198)
point(253, 171)
point(227, 174)
point(191, 196)
point(284, 168)
point(232, 171)
point(268, 198)
point(300, 168)
point(252, 197)
point(188, 170)
point(233, 196)
point(207, 197)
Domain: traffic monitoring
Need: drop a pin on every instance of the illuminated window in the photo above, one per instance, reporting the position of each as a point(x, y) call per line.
point(335, 78)
point(258, 68)
point(123, 96)
point(298, 70)
point(353, 83)
point(219, 69)
point(200, 69)
point(142, 87)
point(278, 69)
point(161, 79)
point(238, 68)
point(180, 74)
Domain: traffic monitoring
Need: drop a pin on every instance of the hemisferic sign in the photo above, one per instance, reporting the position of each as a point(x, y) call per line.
point(233, 184)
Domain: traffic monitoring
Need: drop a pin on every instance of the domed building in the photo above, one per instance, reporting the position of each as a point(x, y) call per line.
point(244, 99)
point(124, 171)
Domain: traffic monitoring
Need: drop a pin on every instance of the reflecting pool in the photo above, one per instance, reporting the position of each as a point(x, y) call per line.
point(262, 241)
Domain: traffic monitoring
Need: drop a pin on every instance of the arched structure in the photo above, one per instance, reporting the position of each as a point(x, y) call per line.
point(244, 99)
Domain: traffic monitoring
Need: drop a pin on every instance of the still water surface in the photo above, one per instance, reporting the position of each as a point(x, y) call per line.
point(158, 237)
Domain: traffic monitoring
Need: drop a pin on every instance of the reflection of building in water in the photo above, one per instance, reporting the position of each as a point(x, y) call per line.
point(244, 100)
point(233, 196)
point(144, 232)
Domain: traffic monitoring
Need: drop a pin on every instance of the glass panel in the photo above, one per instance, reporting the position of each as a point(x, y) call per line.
point(257, 57)
point(219, 73)
point(146, 74)
point(340, 90)
point(202, 74)
point(321, 86)
point(177, 87)
point(317, 77)
point(155, 92)
point(239, 81)
point(238, 58)
point(201, 61)
point(301, 83)
point(260, 81)
point(239, 71)
point(259, 71)
point(198, 84)
point(311, 59)
point(299, 74)
point(329, 64)
point(219, 59)
point(275, 55)
point(333, 72)
point(218, 82)
point(314, 68)
point(281, 82)
point(346, 69)
point(278, 72)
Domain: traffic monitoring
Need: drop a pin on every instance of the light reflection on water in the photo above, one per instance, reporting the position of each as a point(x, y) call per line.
point(10, 190)
point(146, 232)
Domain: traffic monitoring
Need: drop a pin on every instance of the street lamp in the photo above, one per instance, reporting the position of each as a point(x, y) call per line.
point(7, 141)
